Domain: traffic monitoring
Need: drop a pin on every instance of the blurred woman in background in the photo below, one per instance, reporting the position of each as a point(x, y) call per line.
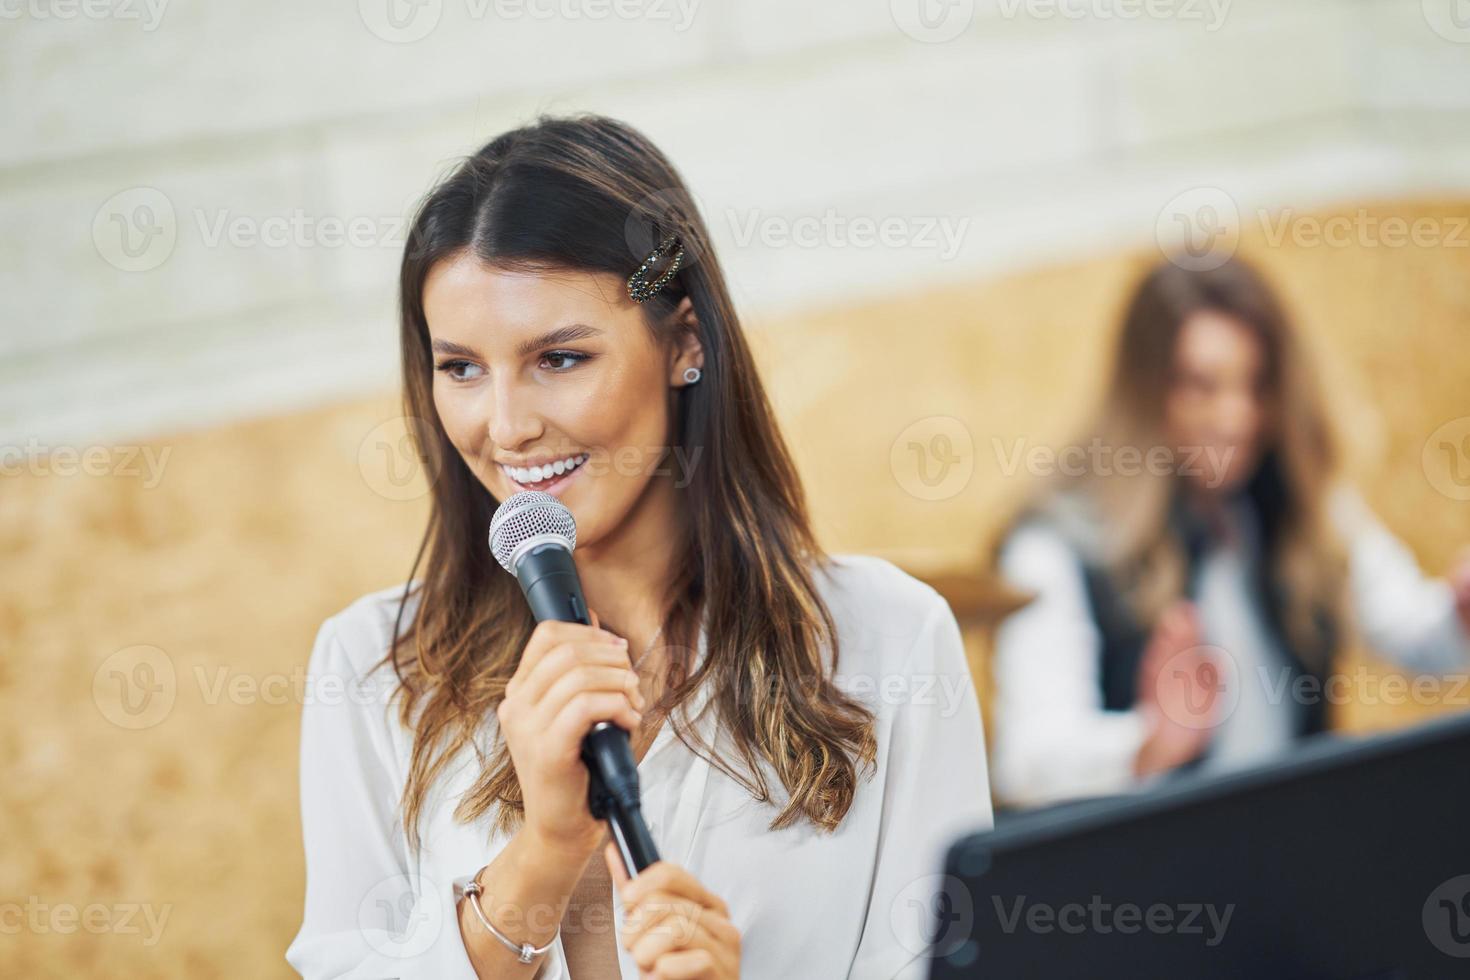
point(1194, 581)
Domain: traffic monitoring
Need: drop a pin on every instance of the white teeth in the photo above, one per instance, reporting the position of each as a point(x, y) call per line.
point(535, 474)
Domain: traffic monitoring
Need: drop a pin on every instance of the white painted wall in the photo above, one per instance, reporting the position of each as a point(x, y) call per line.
point(1030, 129)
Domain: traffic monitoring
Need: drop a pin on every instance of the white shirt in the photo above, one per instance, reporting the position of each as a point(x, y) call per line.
point(1053, 739)
point(853, 903)
point(1254, 722)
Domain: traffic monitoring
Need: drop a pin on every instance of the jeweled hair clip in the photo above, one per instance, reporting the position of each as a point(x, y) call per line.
point(639, 286)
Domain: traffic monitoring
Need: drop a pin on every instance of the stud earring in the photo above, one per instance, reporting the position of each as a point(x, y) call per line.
point(691, 375)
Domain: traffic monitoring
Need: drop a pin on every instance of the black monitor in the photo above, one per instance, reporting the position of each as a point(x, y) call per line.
point(1347, 859)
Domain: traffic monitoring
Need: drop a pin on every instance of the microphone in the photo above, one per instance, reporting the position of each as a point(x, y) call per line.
point(532, 536)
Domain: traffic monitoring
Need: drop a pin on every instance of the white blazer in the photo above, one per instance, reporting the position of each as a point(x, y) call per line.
point(854, 903)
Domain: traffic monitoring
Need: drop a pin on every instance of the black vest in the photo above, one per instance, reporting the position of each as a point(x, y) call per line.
point(1124, 638)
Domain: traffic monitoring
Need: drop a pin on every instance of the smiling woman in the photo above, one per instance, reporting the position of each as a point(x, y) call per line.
point(517, 399)
point(566, 327)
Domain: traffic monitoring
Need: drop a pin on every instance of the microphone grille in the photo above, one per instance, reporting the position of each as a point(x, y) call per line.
point(527, 515)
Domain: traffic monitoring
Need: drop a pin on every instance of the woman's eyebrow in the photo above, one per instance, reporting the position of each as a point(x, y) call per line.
point(450, 347)
point(568, 334)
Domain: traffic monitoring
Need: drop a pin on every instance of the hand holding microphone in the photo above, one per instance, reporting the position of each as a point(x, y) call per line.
point(574, 677)
point(574, 686)
point(570, 677)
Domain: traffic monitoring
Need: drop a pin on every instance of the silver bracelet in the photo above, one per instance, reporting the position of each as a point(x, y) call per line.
point(525, 951)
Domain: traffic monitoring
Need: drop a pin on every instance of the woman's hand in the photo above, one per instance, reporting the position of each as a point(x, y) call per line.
point(570, 676)
point(1178, 693)
point(673, 926)
point(1460, 583)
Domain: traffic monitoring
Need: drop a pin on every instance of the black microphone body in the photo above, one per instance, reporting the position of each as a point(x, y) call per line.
point(548, 578)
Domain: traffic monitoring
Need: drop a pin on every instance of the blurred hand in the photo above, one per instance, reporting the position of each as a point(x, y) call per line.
point(1178, 692)
point(1460, 582)
point(569, 677)
point(674, 927)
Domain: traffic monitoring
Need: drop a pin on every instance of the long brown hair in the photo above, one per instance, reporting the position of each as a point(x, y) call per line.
point(591, 194)
point(1293, 478)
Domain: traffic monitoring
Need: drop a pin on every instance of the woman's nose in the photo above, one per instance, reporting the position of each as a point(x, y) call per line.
point(513, 419)
point(1236, 415)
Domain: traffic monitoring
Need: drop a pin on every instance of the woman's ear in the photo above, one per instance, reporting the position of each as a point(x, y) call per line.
point(687, 351)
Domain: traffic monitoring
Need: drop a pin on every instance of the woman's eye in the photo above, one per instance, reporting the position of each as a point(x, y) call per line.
point(454, 369)
point(562, 360)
